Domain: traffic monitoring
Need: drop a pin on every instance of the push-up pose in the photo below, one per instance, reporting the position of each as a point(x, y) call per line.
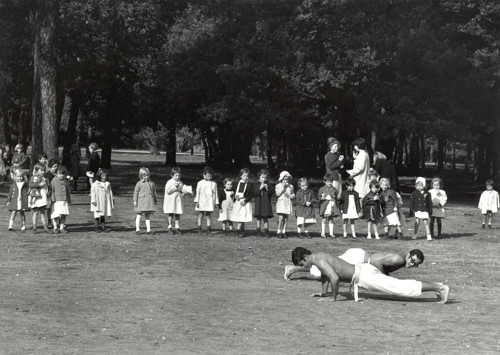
point(333, 270)
point(385, 262)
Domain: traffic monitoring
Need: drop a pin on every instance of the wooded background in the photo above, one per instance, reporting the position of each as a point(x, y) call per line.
point(233, 74)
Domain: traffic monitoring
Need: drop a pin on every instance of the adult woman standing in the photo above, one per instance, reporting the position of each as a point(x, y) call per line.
point(360, 168)
point(334, 162)
point(385, 169)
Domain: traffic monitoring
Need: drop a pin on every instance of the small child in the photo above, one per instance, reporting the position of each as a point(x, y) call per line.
point(226, 206)
point(242, 209)
point(373, 175)
point(206, 199)
point(391, 205)
point(421, 206)
point(438, 198)
point(18, 158)
point(489, 203)
point(304, 211)
point(17, 199)
point(144, 200)
point(349, 206)
point(61, 199)
point(93, 164)
point(172, 203)
point(285, 193)
point(262, 198)
point(328, 196)
point(39, 199)
point(372, 206)
point(101, 200)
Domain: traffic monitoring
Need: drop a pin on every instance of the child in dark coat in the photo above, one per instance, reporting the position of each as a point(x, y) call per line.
point(421, 206)
point(262, 198)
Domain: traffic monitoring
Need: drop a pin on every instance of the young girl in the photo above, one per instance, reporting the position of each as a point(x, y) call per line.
point(206, 199)
point(328, 208)
point(40, 198)
point(172, 203)
point(304, 212)
point(421, 205)
point(349, 206)
point(262, 198)
point(438, 198)
point(372, 207)
point(17, 199)
point(18, 158)
point(391, 204)
point(61, 199)
point(489, 203)
point(226, 206)
point(242, 209)
point(144, 200)
point(101, 200)
point(285, 193)
point(334, 162)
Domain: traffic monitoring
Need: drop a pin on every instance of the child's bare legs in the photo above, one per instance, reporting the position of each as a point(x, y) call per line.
point(265, 220)
point(415, 228)
point(344, 227)
point(55, 222)
point(488, 217)
point(23, 220)
point(177, 223)
point(323, 227)
point(36, 212)
point(299, 228)
point(62, 226)
point(331, 225)
point(369, 228)
point(258, 226)
point(375, 230)
point(148, 222)
point(427, 229)
point(170, 217)
point(200, 220)
point(279, 228)
point(138, 222)
point(209, 221)
point(44, 218)
point(285, 222)
point(353, 228)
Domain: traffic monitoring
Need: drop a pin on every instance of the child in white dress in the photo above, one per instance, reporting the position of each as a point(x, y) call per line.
point(40, 198)
point(206, 199)
point(242, 209)
point(439, 199)
point(226, 205)
point(173, 205)
point(489, 203)
point(101, 200)
point(285, 194)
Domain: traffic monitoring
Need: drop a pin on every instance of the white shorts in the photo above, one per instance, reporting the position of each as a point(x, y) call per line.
point(371, 278)
point(352, 256)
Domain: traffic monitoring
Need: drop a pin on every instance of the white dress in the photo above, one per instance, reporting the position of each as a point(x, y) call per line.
point(172, 203)
point(206, 196)
point(241, 213)
point(489, 201)
point(351, 213)
point(359, 172)
point(439, 199)
point(226, 207)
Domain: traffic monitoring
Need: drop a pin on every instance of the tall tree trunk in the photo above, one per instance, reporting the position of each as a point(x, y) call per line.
point(423, 152)
point(440, 157)
point(43, 58)
point(171, 146)
point(36, 105)
point(70, 136)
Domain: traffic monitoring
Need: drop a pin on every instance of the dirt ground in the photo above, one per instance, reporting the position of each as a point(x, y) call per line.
point(115, 293)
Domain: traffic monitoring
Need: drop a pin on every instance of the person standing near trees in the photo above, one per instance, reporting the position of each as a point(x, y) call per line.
point(361, 167)
point(385, 169)
point(72, 163)
point(93, 164)
point(334, 162)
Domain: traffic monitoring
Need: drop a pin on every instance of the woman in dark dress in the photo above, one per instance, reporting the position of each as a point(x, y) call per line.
point(385, 169)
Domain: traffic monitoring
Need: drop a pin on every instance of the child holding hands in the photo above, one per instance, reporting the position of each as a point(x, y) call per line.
point(39, 191)
point(285, 193)
point(328, 208)
point(144, 200)
point(421, 206)
point(172, 203)
point(101, 200)
point(439, 199)
point(262, 197)
point(206, 199)
point(61, 199)
point(489, 203)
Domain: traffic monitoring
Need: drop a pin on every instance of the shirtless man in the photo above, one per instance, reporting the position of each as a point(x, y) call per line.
point(333, 270)
point(385, 262)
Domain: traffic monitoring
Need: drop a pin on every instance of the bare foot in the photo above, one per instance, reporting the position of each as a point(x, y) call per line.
point(286, 275)
point(443, 295)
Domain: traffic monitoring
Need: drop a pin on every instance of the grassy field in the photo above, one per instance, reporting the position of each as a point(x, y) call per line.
point(119, 293)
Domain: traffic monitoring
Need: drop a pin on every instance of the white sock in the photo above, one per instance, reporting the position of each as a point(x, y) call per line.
point(323, 227)
point(299, 230)
point(177, 224)
point(330, 227)
point(137, 222)
point(148, 225)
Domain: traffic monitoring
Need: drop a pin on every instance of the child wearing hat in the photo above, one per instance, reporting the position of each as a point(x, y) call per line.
point(285, 193)
point(421, 206)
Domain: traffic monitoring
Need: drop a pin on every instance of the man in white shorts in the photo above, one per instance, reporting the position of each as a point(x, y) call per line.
point(333, 270)
point(385, 262)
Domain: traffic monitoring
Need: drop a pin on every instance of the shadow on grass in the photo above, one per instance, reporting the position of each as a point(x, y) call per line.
point(456, 235)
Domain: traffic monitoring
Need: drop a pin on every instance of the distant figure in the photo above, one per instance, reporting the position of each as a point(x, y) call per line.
point(18, 158)
point(361, 167)
point(101, 201)
point(439, 199)
point(385, 169)
point(7, 159)
point(17, 199)
point(93, 164)
point(73, 164)
point(263, 191)
point(421, 207)
point(144, 200)
point(206, 199)
point(3, 171)
point(334, 163)
point(284, 207)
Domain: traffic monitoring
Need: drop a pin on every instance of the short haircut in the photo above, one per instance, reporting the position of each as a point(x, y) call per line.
point(328, 177)
point(208, 170)
point(226, 180)
point(53, 162)
point(350, 181)
point(490, 182)
point(61, 169)
point(298, 254)
point(100, 173)
point(175, 170)
point(244, 171)
point(93, 145)
point(18, 145)
point(418, 253)
point(41, 155)
point(301, 181)
point(438, 179)
point(38, 167)
point(143, 171)
point(374, 183)
point(262, 172)
point(360, 143)
point(385, 181)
